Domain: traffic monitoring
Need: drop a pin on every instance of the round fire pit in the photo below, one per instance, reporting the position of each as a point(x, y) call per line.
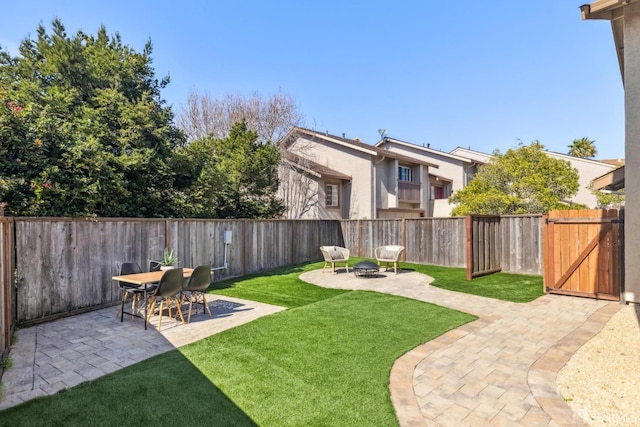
point(366, 269)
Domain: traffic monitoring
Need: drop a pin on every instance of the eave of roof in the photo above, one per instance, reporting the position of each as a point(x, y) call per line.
point(358, 145)
point(613, 180)
point(568, 157)
point(603, 9)
point(421, 148)
point(314, 168)
point(440, 178)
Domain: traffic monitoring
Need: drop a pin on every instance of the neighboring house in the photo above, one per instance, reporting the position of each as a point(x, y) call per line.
point(453, 173)
point(588, 170)
point(330, 177)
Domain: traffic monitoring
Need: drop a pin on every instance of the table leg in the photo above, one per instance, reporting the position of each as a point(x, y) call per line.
point(146, 306)
point(122, 306)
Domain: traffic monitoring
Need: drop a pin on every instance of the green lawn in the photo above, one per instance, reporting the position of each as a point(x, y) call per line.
point(503, 286)
point(325, 361)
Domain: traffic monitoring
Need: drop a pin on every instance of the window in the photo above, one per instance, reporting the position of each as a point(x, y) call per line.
point(404, 173)
point(332, 199)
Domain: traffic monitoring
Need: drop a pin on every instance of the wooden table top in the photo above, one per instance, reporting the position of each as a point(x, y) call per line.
point(148, 277)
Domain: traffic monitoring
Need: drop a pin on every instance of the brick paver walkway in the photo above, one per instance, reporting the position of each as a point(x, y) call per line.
point(498, 370)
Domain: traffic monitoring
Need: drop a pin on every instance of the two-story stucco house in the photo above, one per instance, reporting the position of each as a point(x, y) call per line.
point(331, 177)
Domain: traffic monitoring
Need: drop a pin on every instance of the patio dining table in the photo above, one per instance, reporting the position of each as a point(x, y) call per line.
point(143, 279)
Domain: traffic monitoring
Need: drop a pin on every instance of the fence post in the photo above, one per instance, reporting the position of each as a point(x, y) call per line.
point(294, 238)
point(245, 254)
point(469, 232)
point(358, 236)
point(404, 238)
point(167, 234)
point(621, 286)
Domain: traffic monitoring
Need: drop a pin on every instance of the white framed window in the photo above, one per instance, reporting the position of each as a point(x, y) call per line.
point(332, 199)
point(404, 173)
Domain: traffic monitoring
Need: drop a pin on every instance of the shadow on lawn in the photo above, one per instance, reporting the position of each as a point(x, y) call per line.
point(164, 389)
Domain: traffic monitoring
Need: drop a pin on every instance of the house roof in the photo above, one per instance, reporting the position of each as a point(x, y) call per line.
point(613, 180)
point(314, 168)
point(421, 148)
point(478, 156)
point(614, 162)
point(473, 155)
point(356, 145)
point(613, 11)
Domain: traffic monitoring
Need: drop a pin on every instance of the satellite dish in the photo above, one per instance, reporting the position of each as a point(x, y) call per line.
point(383, 133)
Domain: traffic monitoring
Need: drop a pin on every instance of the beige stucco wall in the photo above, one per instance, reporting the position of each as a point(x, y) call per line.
point(632, 151)
point(347, 161)
point(297, 195)
point(588, 170)
point(385, 191)
point(441, 208)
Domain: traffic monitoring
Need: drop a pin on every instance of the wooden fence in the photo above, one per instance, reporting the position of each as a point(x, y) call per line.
point(521, 238)
point(437, 241)
point(65, 265)
point(508, 243)
point(484, 245)
point(583, 253)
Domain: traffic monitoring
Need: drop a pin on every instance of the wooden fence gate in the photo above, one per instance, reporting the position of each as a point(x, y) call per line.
point(582, 253)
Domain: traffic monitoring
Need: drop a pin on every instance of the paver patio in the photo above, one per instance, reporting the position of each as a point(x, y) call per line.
point(55, 355)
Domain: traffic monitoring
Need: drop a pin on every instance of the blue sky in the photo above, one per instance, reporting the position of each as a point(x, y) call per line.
point(467, 73)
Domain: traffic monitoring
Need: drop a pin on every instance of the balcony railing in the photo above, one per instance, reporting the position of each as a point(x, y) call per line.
point(409, 191)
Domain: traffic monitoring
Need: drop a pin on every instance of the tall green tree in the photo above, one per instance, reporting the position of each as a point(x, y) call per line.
point(83, 128)
point(521, 181)
point(583, 148)
point(232, 177)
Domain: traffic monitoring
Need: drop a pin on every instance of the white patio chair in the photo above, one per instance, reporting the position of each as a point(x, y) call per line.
point(333, 255)
point(389, 254)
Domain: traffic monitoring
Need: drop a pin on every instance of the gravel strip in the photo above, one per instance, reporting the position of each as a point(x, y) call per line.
point(601, 382)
